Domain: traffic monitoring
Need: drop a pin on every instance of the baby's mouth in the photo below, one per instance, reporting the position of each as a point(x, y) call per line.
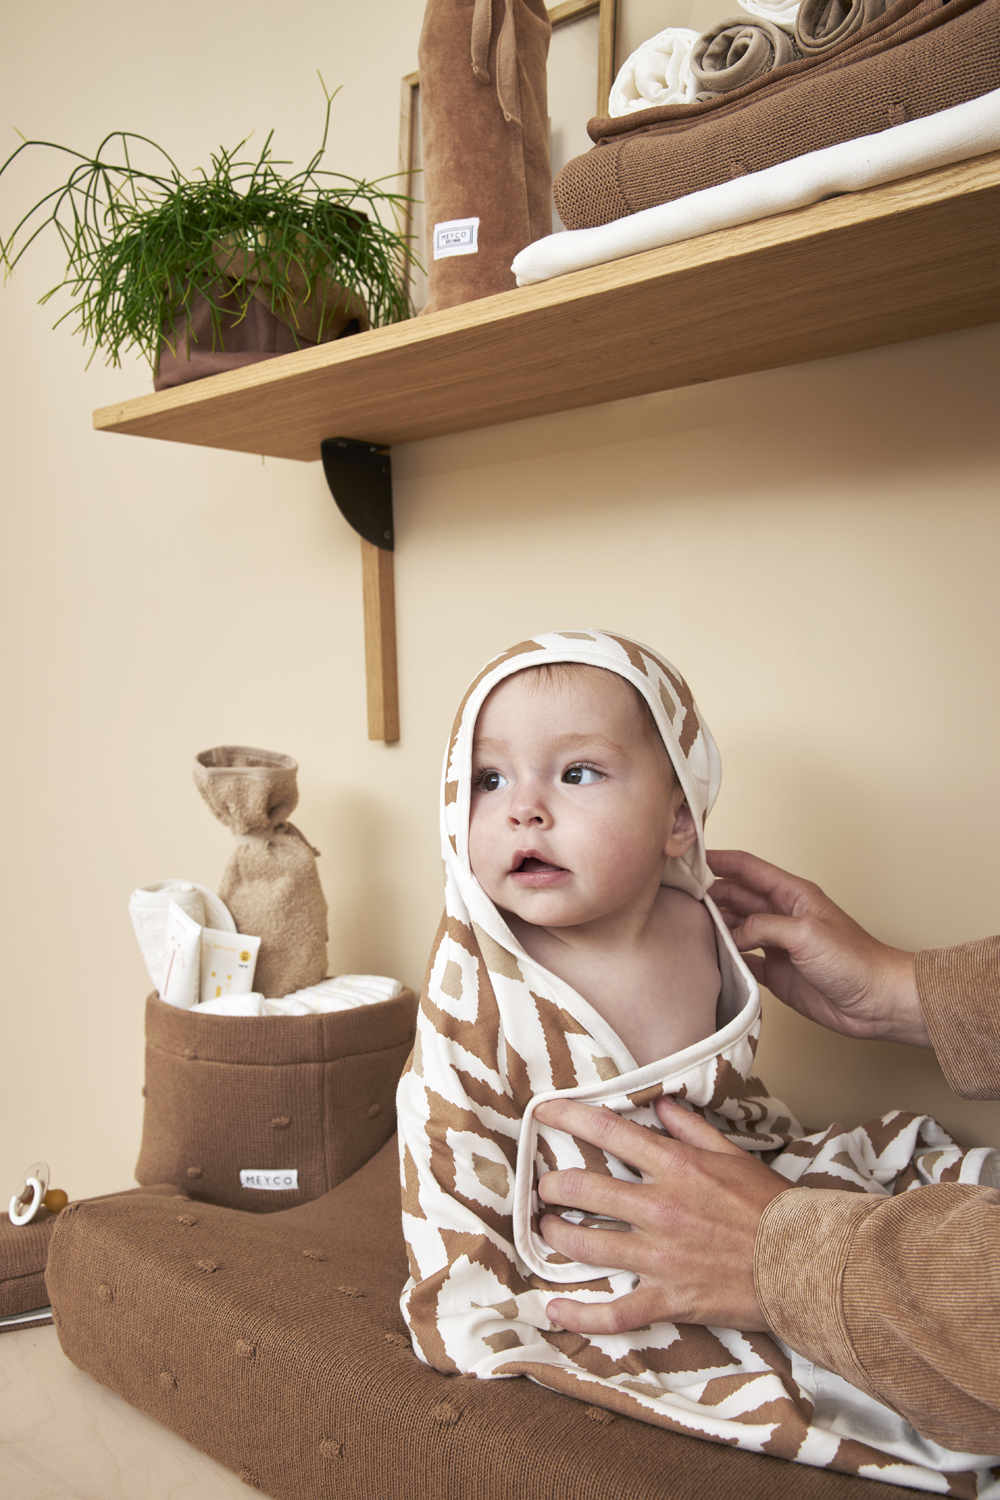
point(531, 870)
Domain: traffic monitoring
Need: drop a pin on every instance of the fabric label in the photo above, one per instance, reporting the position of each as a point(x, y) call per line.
point(456, 237)
point(275, 1182)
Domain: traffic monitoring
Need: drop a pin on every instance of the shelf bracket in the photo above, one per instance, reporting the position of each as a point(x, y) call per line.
point(359, 475)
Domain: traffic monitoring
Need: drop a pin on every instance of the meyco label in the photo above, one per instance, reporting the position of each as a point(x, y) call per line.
point(456, 237)
point(273, 1182)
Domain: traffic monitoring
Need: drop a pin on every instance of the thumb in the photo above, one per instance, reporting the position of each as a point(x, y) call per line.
point(692, 1129)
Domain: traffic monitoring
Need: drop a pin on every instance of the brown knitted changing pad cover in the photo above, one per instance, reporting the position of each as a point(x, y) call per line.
point(921, 56)
point(274, 1343)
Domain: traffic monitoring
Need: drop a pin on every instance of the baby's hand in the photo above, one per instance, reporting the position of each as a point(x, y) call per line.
point(816, 958)
point(694, 1220)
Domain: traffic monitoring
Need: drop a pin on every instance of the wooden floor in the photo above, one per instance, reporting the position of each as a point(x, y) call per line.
point(64, 1437)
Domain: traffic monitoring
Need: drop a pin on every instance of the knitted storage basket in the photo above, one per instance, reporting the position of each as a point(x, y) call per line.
point(266, 1112)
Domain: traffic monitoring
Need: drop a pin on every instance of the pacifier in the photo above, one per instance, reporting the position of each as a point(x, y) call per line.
point(35, 1193)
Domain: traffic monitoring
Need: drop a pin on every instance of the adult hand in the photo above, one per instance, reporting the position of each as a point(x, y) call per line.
point(816, 958)
point(694, 1220)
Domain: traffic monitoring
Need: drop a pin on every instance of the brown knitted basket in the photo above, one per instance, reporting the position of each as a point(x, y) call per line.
point(308, 1099)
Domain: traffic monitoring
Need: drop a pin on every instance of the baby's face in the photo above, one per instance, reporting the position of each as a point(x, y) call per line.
point(574, 811)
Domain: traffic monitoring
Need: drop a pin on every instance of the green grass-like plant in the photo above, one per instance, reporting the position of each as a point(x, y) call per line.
point(142, 246)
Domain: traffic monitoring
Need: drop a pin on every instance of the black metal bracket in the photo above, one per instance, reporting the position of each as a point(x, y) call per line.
point(360, 478)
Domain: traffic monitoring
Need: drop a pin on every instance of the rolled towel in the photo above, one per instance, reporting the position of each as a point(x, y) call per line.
point(779, 12)
point(734, 52)
point(822, 24)
point(232, 1005)
point(147, 907)
point(345, 992)
point(348, 991)
point(658, 72)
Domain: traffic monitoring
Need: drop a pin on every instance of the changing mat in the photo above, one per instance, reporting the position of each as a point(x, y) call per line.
point(497, 1034)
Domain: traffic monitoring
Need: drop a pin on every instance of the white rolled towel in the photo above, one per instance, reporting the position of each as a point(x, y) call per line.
point(345, 992)
point(658, 72)
point(779, 12)
point(147, 907)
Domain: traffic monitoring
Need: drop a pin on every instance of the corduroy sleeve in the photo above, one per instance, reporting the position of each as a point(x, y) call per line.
point(959, 991)
point(900, 1296)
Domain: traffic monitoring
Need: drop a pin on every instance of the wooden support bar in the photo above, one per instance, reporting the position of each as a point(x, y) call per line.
point(380, 643)
point(607, 47)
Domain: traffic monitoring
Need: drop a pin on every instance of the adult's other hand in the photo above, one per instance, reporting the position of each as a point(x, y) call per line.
point(694, 1220)
point(816, 958)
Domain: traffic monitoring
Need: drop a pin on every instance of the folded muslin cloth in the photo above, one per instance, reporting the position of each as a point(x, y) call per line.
point(779, 12)
point(735, 52)
point(658, 72)
point(822, 24)
point(953, 135)
point(345, 992)
point(497, 1033)
point(147, 907)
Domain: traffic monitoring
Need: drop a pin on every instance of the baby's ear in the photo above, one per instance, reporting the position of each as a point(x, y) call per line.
point(683, 834)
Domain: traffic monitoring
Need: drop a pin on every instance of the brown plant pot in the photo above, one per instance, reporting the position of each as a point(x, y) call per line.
point(249, 330)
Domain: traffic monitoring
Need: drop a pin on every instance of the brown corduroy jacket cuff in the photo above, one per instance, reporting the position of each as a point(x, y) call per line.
point(897, 1295)
point(803, 1245)
point(959, 991)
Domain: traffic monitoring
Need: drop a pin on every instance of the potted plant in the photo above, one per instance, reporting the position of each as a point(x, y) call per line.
point(221, 268)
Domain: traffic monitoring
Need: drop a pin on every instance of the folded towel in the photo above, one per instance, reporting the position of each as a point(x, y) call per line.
point(735, 52)
point(952, 135)
point(915, 61)
point(345, 992)
point(822, 24)
point(658, 72)
point(147, 907)
point(779, 12)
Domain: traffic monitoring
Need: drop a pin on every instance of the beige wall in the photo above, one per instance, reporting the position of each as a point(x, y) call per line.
point(817, 547)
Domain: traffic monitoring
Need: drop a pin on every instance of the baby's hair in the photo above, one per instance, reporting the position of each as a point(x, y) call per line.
point(565, 671)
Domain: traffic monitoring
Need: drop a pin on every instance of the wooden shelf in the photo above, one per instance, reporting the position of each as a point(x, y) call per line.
point(916, 257)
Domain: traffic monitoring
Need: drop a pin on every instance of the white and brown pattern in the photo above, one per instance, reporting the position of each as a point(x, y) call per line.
point(497, 1034)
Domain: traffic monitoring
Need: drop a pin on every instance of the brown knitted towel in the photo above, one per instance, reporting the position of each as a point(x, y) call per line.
point(909, 63)
point(313, 1096)
point(271, 884)
point(735, 52)
point(24, 1251)
point(484, 116)
point(822, 24)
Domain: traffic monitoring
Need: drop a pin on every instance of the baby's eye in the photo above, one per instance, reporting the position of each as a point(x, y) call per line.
point(490, 781)
point(581, 775)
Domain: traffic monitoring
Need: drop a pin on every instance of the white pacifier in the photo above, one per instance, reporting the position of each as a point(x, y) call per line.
point(33, 1193)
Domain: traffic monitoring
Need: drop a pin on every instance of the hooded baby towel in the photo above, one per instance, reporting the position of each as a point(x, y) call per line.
point(497, 1034)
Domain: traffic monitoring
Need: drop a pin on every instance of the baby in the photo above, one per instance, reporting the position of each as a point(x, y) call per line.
point(580, 956)
point(575, 812)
